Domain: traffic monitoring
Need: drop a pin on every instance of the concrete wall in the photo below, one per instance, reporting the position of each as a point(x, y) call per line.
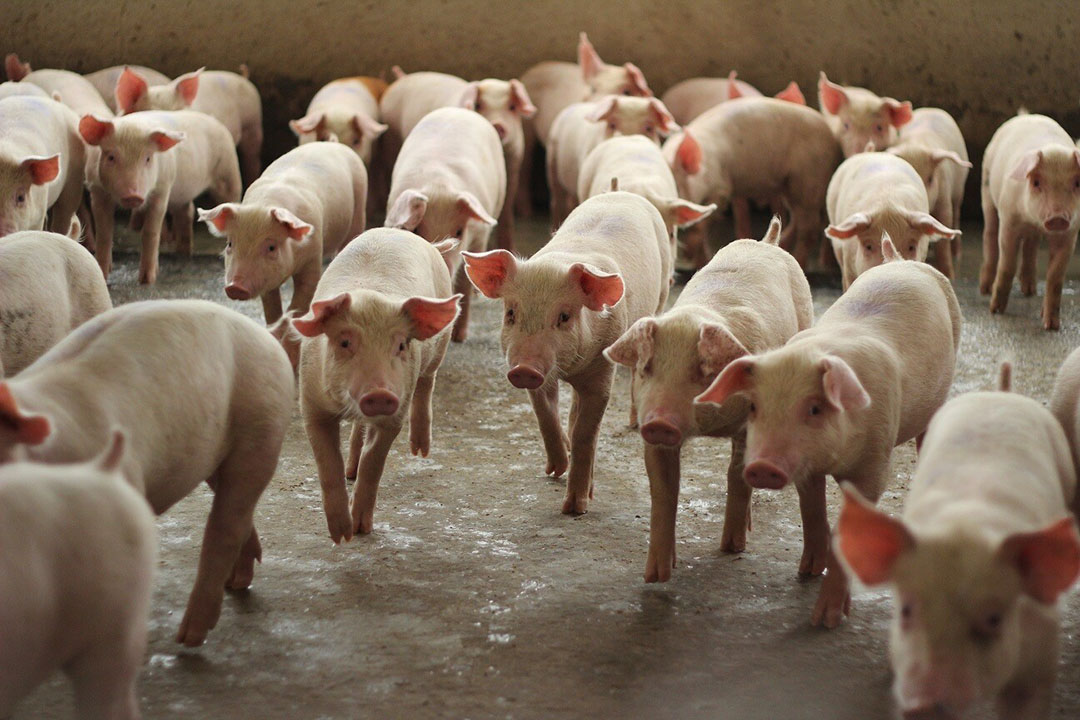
point(979, 59)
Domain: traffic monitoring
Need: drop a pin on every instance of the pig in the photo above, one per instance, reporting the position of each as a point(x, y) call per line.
point(759, 148)
point(203, 393)
point(230, 97)
point(131, 160)
point(639, 166)
point(839, 396)
point(984, 550)
point(582, 126)
point(80, 549)
point(858, 117)
point(50, 286)
point(307, 204)
point(1064, 405)
point(372, 345)
point(504, 103)
point(606, 267)
point(104, 80)
point(871, 194)
point(70, 88)
point(750, 298)
point(13, 89)
point(42, 164)
point(689, 98)
point(933, 144)
point(1030, 190)
point(347, 109)
point(450, 181)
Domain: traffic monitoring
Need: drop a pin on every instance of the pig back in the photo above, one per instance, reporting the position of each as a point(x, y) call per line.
point(394, 262)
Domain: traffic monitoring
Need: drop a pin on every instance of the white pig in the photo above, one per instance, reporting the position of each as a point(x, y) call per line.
point(689, 98)
point(858, 117)
point(875, 193)
point(49, 286)
point(373, 343)
point(203, 393)
point(750, 298)
point(104, 80)
point(42, 164)
point(346, 108)
point(933, 144)
point(307, 204)
point(80, 548)
point(607, 266)
point(1030, 190)
point(450, 182)
point(70, 88)
point(838, 397)
point(132, 161)
point(985, 548)
point(582, 126)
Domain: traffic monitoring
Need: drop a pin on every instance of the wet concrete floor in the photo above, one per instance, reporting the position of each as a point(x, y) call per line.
point(476, 598)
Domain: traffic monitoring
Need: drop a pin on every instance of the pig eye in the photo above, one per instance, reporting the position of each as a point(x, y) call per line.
point(611, 126)
point(510, 316)
point(847, 125)
point(20, 199)
point(1035, 182)
point(626, 91)
point(401, 347)
point(147, 159)
point(869, 247)
point(564, 317)
point(649, 129)
point(753, 408)
point(911, 248)
point(110, 158)
point(988, 628)
point(879, 128)
point(271, 248)
point(459, 233)
point(1076, 184)
point(815, 409)
point(344, 343)
point(513, 107)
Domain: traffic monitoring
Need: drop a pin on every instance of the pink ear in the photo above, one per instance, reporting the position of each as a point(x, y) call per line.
point(186, 86)
point(470, 207)
point(938, 156)
point(588, 58)
point(130, 88)
point(165, 139)
point(29, 429)
point(635, 345)
point(16, 70)
point(688, 213)
point(307, 124)
point(407, 211)
point(849, 228)
point(218, 218)
point(792, 94)
point(899, 112)
point(869, 540)
point(314, 323)
point(93, 131)
point(832, 96)
point(470, 96)
point(733, 92)
point(429, 316)
point(689, 154)
point(489, 271)
point(601, 289)
point(1027, 165)
point(366, 127)
point(603, 109)
point(841, 385)
point(636, 79)
point(1048, 560)
point(927, 224)
point(296, 228)
point(523, 104)
point(718, 347)
point(665, 121)
point(42, 169)
point(737, 377)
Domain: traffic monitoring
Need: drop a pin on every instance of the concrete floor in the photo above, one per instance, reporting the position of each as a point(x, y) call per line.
point(476, 598)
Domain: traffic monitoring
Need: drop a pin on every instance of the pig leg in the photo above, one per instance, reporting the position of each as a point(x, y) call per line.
point(808, 228)
point(740, 214)
point(271, 302)
point(1029, 252)
point(545, 402)
point(943, 257)
point(1009, 250)
point(815, 522)
point(104, 680)
point(372, 461)
point(1061, 249)
point(304, 284)
point(151, 239)
point(737, 511)
point(662, 465)
point(183, 219)
point(991, 229)
point(522, 199)
point(592, 395)
point(463, 286)
point(87, 219)
point(356, 444)
point(834, 597)
point(420, 416)
point(65, 207)
point(103, 209)
point(244, 569)
point(251, 140)
point(324, 434)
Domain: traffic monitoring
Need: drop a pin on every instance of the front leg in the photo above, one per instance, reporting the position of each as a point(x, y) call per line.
point(815, 522)
point(1061, 249)
point(1029, 255)
point(304, 284)
point(545, 402)
point(324, 434)
point(271, 302)
point(592, 395)
point(662, 465)
point(1008, 254)
point(104, 210)
point(737, 517)
point(151, 239)
point(372, 461)
point(463, 286)
point(420, 416)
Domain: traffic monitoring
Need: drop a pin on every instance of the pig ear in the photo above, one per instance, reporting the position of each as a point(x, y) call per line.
point(831, 96)
point(446, 246)
point(665, 121)
point(29, 429)
point(470, 207)
point(165, 139)
point(296, 228)
point(792, 94)
point(1027, 165)
point(718, 347)
point(1048, 560)
point(689, 154)
point(737, 377)
point(93, 131)
point(938, 156)
point(899, 112)
point(289, 337)
point(869, 541)
point(733, 92)
point(636, 79)
point(588, 58)
point(217, 219)
point(16, 69)
point(927, 224)
point(130, 88)
point(889, 253)
point(489, 271)
point(186, 87)
point(772, 235)
point(841, 385)
point(308, 124)
point(407, 211)
point(314, 323)
point(469, 96)
point(687, 213)
point(429, 316)
point(42, 170)
point(519, 96)
point(112, 456)
point(851, 227)
point(603, 109)
point(601, 290)
point(635, 345)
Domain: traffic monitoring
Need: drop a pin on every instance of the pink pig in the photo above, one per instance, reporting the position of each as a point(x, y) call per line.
point(346, 110)
point(858, 117)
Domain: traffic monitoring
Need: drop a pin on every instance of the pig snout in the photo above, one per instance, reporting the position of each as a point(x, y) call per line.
point(658, 429)
point(131, 201)
point(1058, 223)
point(379, 402)
point(235, 291)
point(525, 377)
point(765, 475)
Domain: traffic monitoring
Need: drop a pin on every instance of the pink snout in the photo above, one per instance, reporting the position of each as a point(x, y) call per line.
point(1057, 224)
point(379, 402)
point(763, 475)
point(237, 292)
point(661, 431)
point(130, 202)
point(525, 377)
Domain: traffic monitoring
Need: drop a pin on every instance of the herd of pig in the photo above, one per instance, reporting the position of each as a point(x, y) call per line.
point(94, 416)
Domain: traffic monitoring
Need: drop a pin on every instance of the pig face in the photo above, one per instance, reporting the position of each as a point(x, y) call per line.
point(504, 104)
point(963, 603)
point(673, 359)
point(1050, 178)
point(133, 94)
point(19, 428)
point(603, 79)
point(440, 216)
point(260, 246)
point(355, 129)
point(371, 356)
point(127, 159)
point(24, 192)
point(696, 180)
point(862, 118)
point(926, 161)
point(633, 116)
point(911, 234)
point(546, 308)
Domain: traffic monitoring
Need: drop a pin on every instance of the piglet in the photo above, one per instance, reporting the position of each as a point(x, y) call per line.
point(750, 298)
point(605, 268)
point(204, 394)
point(1030, 190)
point(858, 117)
point(371, 347)
point(308, 203)
point(80, 549)
point(347, 109)
point(839, 396)
point(689, 98)
point(132, 161)
point(51, 286)
point(984, 550)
